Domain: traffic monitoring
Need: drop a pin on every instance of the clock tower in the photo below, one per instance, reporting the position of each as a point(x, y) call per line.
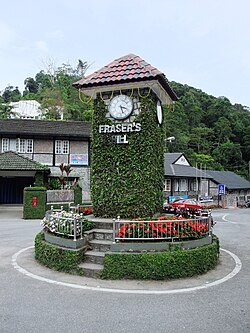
point(127, 166)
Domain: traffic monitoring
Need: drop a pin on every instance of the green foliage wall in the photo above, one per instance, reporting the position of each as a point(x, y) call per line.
point(127, 179)
point(34, 212)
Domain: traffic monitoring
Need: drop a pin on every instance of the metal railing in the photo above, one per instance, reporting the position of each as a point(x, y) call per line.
point(170, 230)
point(57, 224)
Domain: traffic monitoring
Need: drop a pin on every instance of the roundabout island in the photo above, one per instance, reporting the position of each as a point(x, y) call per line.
point(163, 248)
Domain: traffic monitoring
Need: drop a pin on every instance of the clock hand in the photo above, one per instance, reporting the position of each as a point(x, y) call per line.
point(123, 107)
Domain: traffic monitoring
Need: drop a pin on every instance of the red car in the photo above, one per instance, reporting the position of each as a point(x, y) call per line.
point(186, 203)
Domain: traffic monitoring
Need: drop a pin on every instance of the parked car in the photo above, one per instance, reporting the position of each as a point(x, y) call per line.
point(186, 203)
point(181, 204)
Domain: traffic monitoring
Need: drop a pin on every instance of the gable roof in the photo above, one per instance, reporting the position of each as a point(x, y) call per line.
point(130, 68)
point(75, 129)
point(177, 170)
point(230, 179)
point(12, 161)
point(171, 158)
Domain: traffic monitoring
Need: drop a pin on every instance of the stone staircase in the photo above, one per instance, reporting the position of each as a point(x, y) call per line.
point(99, 240)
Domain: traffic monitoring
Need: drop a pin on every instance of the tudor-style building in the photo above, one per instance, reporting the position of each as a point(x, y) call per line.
point(35, 143)
point(182, 179)
point(236, 188)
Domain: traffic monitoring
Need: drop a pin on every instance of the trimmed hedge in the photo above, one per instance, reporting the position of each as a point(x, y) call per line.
point(57, 258)
point(77, 195)
point(174, 264)
point(38, 211)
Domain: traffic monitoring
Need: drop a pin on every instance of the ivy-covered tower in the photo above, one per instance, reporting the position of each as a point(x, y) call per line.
point(127, 167)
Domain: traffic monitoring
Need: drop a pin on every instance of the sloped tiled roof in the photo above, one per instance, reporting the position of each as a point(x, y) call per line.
point(13, 161)
point(229, 179)
point(171, 158)
point(79, 129)
point(178, 170)
point(130, 68)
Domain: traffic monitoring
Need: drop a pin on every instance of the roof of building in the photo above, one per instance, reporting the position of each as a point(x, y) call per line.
point(178, 170)
point(230, 179)
point(129, 68)
point(13, 161)
point(171, 158)
point(73, 129)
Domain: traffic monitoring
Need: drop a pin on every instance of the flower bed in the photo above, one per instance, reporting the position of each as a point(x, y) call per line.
point(166, 227)
point(66, 224)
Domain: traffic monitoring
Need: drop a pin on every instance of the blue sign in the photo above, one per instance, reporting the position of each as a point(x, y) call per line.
point(221, 189)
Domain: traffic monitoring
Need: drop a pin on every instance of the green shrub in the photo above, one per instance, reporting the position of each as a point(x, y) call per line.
point(31, 195)
point(174, 264)
point(57, 258)
point(77, 195)
point(54, 184)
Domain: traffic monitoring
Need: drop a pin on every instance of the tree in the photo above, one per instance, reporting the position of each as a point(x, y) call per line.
point(5, 110)
point(11, 94)
point(31, 85)
point(222, 130)
point(229, 155)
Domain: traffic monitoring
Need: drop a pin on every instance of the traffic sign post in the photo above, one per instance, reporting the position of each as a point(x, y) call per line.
point(221, 189)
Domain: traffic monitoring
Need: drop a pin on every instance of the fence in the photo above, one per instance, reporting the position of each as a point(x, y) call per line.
point(60, 223)
point(162, 229)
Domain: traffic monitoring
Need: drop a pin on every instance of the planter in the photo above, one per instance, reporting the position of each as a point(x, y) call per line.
point(65, 242)
point(131, 246)
point(58, 196)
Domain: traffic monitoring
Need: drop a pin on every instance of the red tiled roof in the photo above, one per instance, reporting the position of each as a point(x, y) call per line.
point(129, 68)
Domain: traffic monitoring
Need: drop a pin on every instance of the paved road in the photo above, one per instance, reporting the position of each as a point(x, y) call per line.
point(30, 305)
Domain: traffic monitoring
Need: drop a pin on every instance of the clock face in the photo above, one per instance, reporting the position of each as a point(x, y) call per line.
point(159, 112)
point(120, 107)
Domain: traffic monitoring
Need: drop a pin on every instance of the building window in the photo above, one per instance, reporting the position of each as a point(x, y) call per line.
point(29, 146)
point(176, 185)
point(5, 144)
point(24, 145)
point(167, 185)
point(183, 185)
point(62, 147)
point(193, 185)
point(21, 146)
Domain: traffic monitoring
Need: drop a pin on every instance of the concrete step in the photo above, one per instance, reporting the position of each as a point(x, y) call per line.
point(102, 223)
point(91, 270)
point(94, 257)
point(101, 234)
point(100, 245)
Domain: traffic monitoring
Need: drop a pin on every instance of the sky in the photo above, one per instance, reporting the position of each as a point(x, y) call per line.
point(202, 43)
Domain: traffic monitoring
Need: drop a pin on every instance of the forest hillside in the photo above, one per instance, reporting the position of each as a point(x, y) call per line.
point(212, 132)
